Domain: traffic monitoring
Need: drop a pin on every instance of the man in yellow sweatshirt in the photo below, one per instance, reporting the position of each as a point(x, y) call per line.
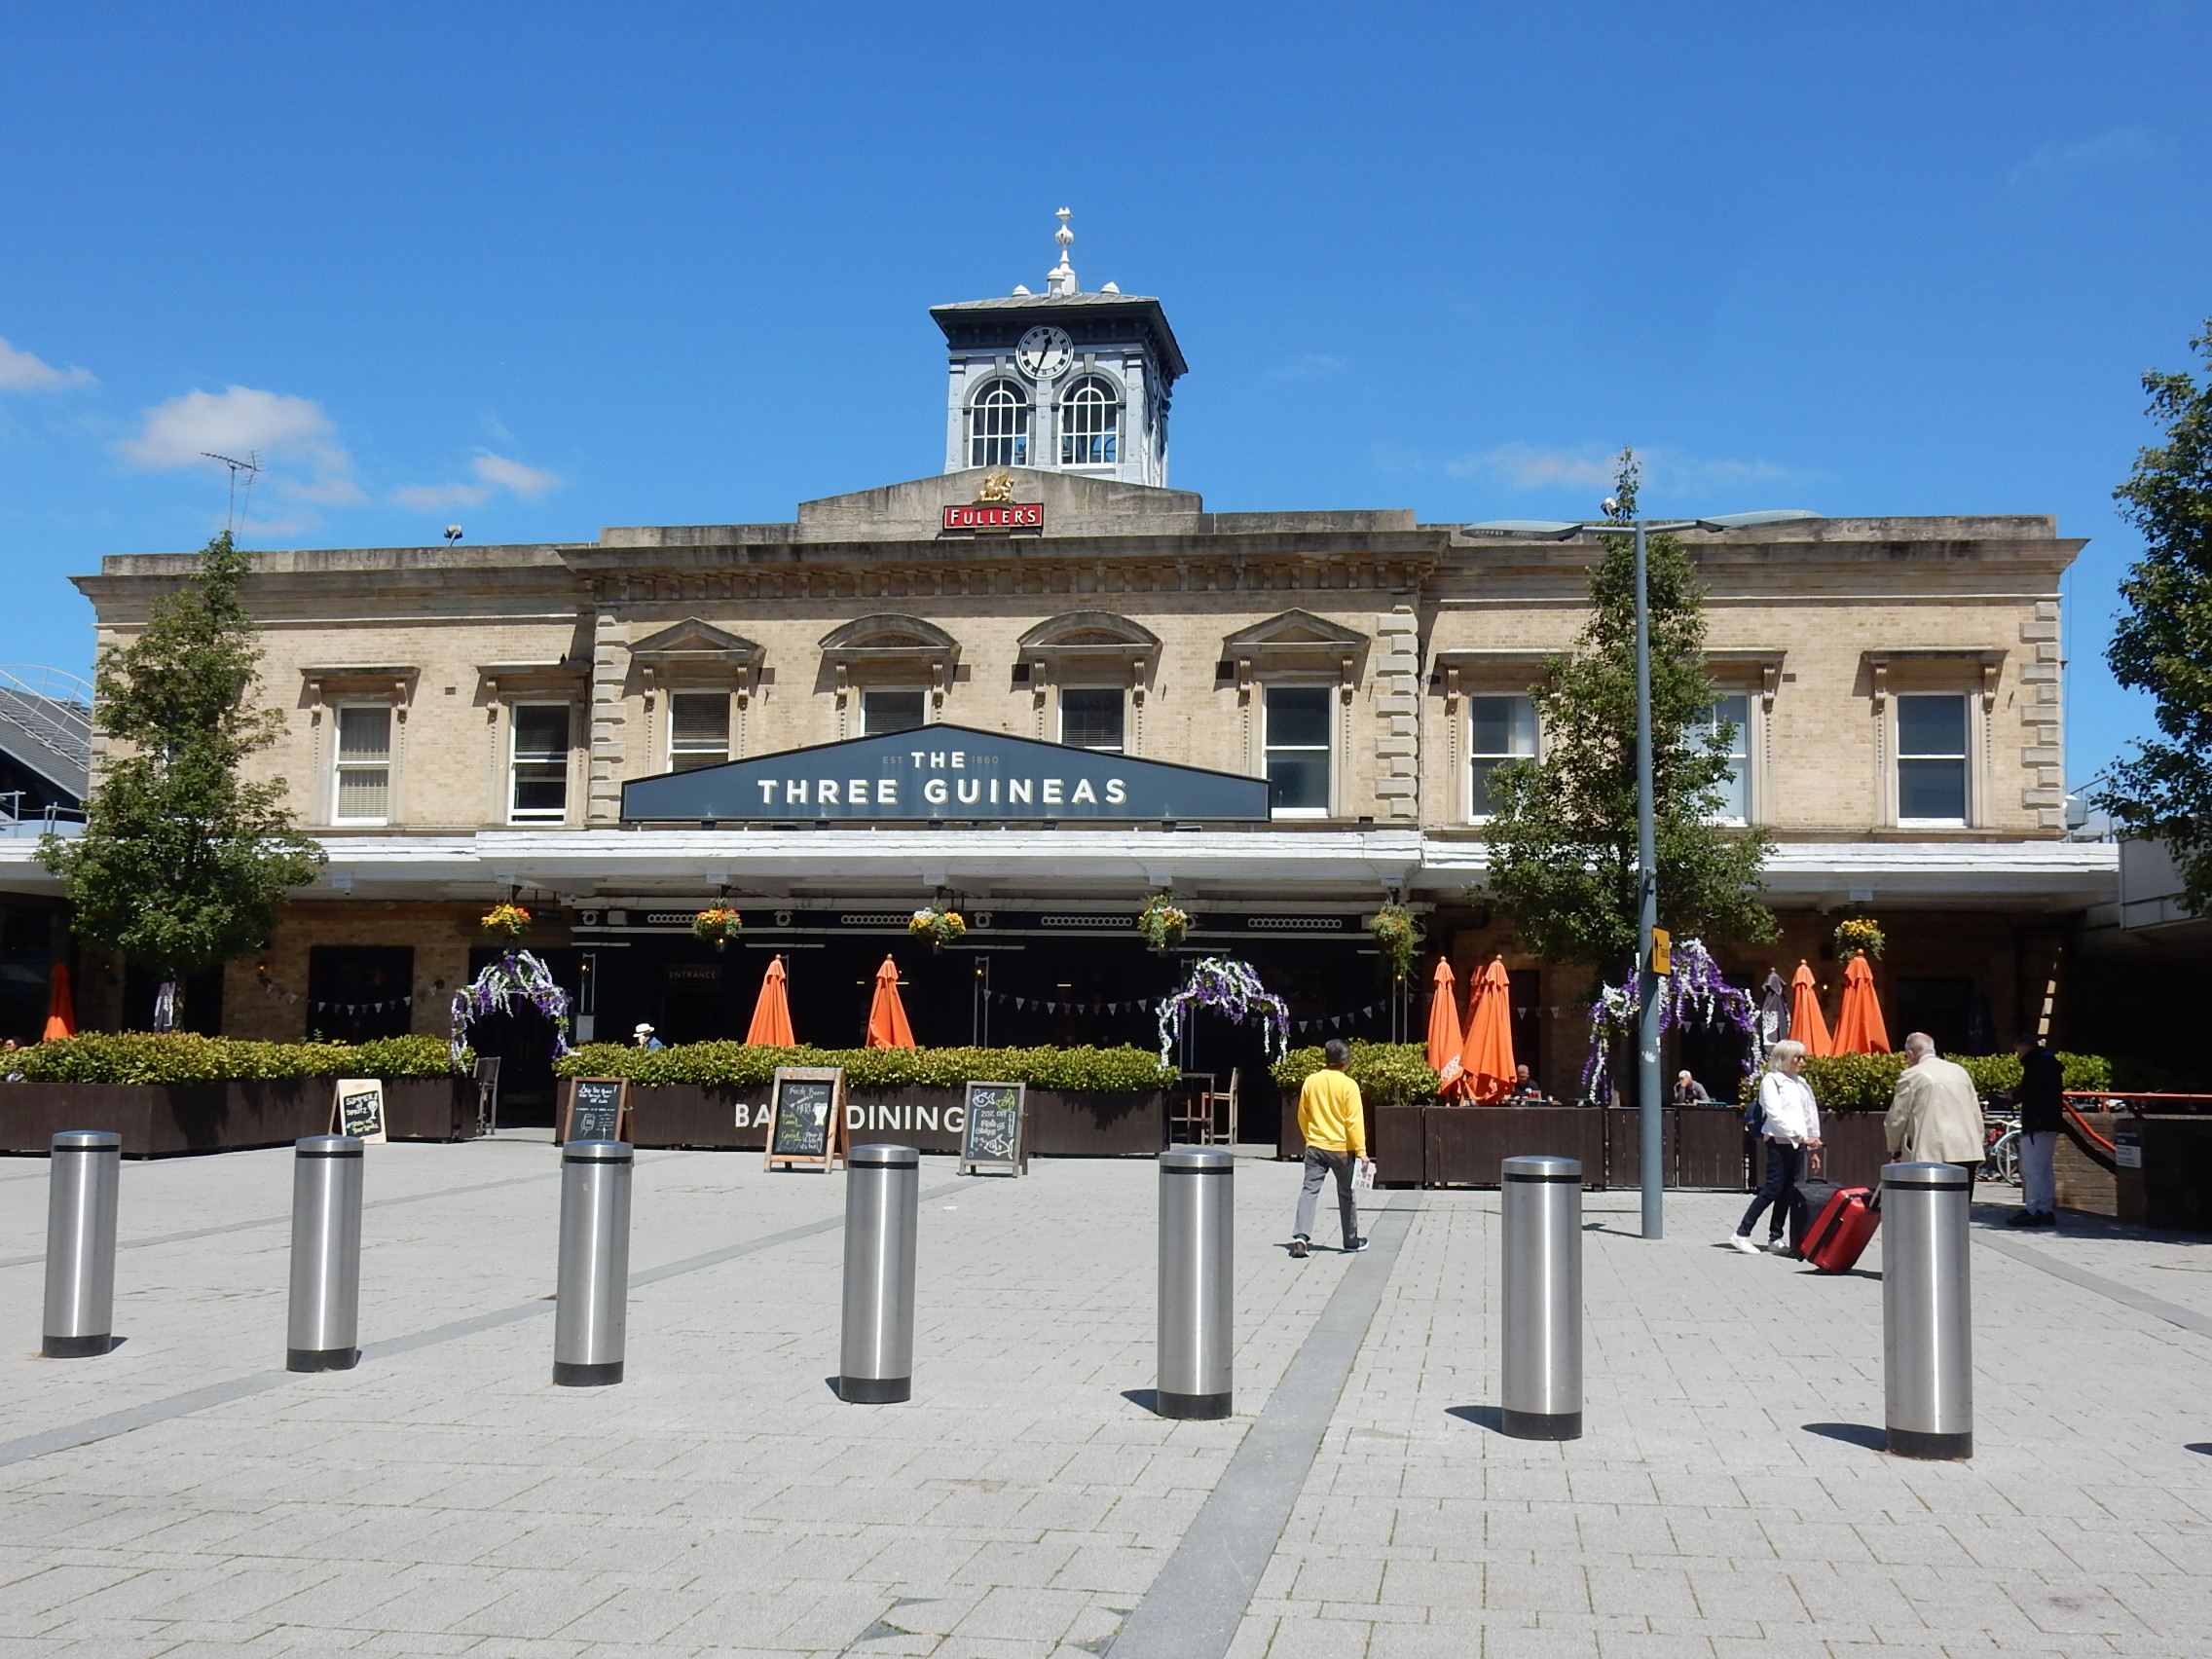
point(1334, 1122)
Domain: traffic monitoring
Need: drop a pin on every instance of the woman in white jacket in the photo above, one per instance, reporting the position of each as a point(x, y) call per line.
point(1791, 1127)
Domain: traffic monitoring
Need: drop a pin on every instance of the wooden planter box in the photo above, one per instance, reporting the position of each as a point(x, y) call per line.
point(1467, 1144)
point(1062, 1122)
point(164, 1119)
point(1854, 1146)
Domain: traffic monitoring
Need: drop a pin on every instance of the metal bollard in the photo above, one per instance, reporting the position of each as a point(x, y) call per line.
point(80, 1244)
point(1197, 1294)
point(1927, 1310)
point(593, 1296)
point(324, 1326)
point(1541, 1272)
point(875, 1354)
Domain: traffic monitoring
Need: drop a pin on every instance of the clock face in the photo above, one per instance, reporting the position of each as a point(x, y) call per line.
point(1044, 353)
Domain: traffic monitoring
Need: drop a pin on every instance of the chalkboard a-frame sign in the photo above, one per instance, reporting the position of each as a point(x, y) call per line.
point(996, 1134)
point(596, 1109)
point(806, 1123)
point(357, 1108)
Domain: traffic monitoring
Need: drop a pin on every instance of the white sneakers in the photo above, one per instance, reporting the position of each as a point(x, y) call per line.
point(1743, 1242)
point(1780, 1246)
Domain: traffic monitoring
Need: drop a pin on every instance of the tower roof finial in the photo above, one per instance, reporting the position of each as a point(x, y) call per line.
point(1060, 279)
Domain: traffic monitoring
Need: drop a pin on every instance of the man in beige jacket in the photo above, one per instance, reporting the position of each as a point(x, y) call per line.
point(1935, 1115)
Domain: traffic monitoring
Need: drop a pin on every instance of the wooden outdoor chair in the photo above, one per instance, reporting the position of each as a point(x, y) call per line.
point(1217, 1110)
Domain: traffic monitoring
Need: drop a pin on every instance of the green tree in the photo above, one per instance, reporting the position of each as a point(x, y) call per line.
point(183, 865)
point(1562, 841)
point(2163, 642)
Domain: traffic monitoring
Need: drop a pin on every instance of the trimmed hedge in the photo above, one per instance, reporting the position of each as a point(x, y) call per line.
point(186, 1057)
point(1388, 1074)
point(1121, 1070)
point(1864, 1083)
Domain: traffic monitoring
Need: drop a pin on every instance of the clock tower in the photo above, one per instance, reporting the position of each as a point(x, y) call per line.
point(1062, 381)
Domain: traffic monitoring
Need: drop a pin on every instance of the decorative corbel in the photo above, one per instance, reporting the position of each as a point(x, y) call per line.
point(1881, 671)
point(744, 688)
point(491, 702)
point(647, 674)
point(314, 703)
point(1770, 682)
point(399, 701)
point(1991, 672)
point(844, 685)
point(1244, 677)
point(1345, 677)
point(1136, 683)
point(937, 686)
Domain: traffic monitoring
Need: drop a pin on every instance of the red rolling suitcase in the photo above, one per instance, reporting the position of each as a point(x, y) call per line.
point(1837, 1235)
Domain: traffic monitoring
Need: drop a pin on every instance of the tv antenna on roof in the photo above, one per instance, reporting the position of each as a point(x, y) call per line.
point(250, 466)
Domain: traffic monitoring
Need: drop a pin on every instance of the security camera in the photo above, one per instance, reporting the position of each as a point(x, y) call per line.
point(1612, 505)
point(453, 534)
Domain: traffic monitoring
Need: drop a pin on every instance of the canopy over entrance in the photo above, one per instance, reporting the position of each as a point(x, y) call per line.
point(943, 773)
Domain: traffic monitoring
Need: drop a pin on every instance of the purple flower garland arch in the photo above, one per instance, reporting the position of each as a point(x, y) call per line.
point(512, 974)
point(1695, 996)
point(1231, 988)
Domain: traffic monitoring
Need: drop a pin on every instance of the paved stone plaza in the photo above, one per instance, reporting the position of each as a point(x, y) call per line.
point(184, 1496)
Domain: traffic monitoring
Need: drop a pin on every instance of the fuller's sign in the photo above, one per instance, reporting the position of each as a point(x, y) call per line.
point(1004, 515)
point(943, 773)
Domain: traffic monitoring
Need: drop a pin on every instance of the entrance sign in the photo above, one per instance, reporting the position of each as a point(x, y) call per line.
point(596, 1109)
point(806, 1116)
point(945, 772)
point(357, 1108)
point(996, 1134)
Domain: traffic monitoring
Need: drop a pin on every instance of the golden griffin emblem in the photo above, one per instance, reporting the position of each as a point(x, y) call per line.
point(997, 486)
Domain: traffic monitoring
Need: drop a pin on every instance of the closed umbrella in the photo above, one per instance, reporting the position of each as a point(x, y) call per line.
point(61, 1006)
point(1806, 1024)
point(771, 1025)
point(1774, 1010)
point(1444, 1027)
point(1859, 1027)
point(887, 1026)
point(1486, 1060)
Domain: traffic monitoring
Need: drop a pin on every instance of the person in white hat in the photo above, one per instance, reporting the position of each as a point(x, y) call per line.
point(643, 1037)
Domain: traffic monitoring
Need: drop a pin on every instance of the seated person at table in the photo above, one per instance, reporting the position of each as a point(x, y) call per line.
point(1688, 1091)
point(1525, 1086)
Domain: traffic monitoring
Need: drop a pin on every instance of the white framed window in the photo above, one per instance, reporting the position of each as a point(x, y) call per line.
point(1932, 737)
point(698, 729)
point(1499, 729)
point(890, 710)
point(1094, 717)
point(360, 783)
point(1090, 418)
point(998, 426)
point(1295, 736)
point(538, 791)
point(1733, 709)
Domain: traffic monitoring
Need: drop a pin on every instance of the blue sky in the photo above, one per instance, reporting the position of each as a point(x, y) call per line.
point(541, 269)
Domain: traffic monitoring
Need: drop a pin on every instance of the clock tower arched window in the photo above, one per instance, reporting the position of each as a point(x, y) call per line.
point(1091, 418)
point(998, 426)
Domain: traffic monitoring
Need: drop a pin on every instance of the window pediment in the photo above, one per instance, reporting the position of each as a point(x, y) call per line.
point(888, 647)
point(1090, 631)
point(1296, 642)
point(697, 653)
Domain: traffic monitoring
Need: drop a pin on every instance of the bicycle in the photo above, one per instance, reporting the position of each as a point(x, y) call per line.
point(2001, 1156)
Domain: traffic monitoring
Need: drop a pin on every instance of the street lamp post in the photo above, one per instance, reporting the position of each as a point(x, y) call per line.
point(1650, 1101)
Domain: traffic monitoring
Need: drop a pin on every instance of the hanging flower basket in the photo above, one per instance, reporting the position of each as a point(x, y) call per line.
point(941, 927)
point(1162, 923)
point(512, 920)
point(1856, 934)
point(1231, 990)
point(514, 975)
point(1696, 996)
point(716, 925)
point(1397, 935)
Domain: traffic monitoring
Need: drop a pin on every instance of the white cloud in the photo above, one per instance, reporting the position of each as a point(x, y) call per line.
point(242, 422)
point(2121, 147)
point(1526, 466)
point(492, 472)
point(20, 371)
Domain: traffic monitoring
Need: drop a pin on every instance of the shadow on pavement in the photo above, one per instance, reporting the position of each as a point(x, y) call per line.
point(2203, 1446)
point(1149, 1398)
point(1852, 1435)
point(1492, 1417)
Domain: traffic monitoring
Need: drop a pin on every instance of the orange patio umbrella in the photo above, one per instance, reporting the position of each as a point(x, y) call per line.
point(1806, 1024)
point(771, 1025)
point(887, 1026)
point(1859, 1027)
point(61, 1006)
point(1486, 1060)
point(1444, 1027)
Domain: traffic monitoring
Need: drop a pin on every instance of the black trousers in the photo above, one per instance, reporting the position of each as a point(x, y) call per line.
point(1779, 1190)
